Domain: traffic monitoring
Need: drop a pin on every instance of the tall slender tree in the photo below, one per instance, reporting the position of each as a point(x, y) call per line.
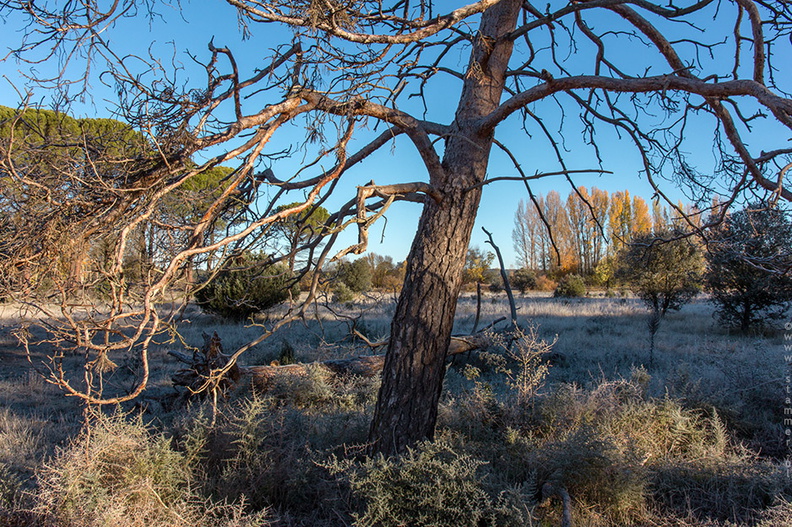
point(599, 205)
point(561, 255)
point(527, 235)
point(660, 220)
point(620, 220)
point(641, 220)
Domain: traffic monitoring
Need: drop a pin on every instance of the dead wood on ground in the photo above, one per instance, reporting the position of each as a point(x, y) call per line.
point(206, 367)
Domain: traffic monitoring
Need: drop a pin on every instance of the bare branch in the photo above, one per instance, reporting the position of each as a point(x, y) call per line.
point(421, 29)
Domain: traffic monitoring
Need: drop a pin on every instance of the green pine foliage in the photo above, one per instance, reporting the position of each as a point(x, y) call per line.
point(570, 286)
point(246, 286)
point(355, 275)
point(749, 259)
point(523, 279)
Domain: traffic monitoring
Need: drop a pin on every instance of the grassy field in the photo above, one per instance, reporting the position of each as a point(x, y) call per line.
point(696, 438)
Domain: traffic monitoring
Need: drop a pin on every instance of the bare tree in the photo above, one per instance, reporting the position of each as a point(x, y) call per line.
point(526, 235)
point(702, 64)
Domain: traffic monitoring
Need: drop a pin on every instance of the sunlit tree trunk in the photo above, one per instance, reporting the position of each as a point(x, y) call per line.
point(412, 379)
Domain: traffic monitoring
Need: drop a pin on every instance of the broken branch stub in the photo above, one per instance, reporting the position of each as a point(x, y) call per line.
point(209, 368)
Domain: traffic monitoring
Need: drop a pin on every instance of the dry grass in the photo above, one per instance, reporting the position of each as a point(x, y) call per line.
point(695, 440)
point(118, 473)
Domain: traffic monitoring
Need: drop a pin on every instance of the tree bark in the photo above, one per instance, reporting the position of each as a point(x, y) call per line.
point(412, 380)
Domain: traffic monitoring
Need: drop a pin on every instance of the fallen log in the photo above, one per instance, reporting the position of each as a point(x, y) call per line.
point(262, 377)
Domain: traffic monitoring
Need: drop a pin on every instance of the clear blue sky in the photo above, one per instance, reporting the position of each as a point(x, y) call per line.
point(201, 20)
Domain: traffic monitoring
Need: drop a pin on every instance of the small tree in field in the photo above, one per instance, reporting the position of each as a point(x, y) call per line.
point(665, 270)
point(750, 257)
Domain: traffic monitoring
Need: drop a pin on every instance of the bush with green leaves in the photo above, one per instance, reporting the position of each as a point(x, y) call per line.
point(356, 275)
point(570, 286)
point(749, 257)
point(523, 279)
point(342, 294)
point(245, 286)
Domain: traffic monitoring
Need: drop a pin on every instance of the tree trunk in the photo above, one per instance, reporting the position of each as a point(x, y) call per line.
point(412, 379)
point(478, 307)
point(745, 323)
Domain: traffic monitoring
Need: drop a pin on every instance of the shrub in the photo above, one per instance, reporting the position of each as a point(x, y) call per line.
point(117, 473)
point(342, 294)
point(356, 275)
point(268, 449)
point(246, 286)
point(778, 514)
point(10, 486)
point(748, 256)
point(543, 283)
point(431, 485)
point(22, 446)
point(570, 286)
point(286, 354)
point(625, 458)
point(497, 287)
point(529, 354)
point(723, 490)
point(523, 279)
point(602, 476)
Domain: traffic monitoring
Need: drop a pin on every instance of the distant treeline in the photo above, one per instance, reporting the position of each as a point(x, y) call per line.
point(574, 235)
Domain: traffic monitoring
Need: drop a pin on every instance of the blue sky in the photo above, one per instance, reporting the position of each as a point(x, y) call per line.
point(201, 20)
